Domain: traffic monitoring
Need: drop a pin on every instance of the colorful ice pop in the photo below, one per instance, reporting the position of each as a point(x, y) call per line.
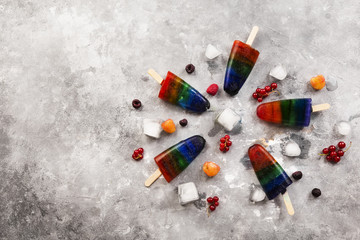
point(241, 61)
point(271, 175)
point(178, 92)
point(175, 159)
point(291, 112)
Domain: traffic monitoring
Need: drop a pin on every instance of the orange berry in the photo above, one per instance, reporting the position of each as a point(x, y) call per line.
point(168, 126)
point(318, 82)
point(211, 168)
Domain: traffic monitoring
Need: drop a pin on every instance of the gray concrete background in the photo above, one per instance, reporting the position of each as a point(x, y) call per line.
point(70, 69)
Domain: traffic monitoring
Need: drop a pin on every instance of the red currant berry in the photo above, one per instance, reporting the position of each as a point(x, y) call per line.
point(216, 204)
point(332, 148)
point(255, 95)
point(259, 99)
point(209, 200)
point(134, 156)
point(325, 151)
point(340, 153)
point(216, 198)
point(212, 207)
point(273, 85)
point(222, 145)
point(262, 91)
point(222, 148)
point(341, 144)
point(336, 159)
point(222, 140)
point(333, 154)
point(136, 152)
point(227, 137)
point(265, 95)
point(258, 90)
point(229, 143)
point(226, 149)
point(328, 157)
point(268, 88)
point(141, 150)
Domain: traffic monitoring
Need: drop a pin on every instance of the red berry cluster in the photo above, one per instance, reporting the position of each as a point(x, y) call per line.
point(213, 202)
point(138, 154)
point(334, 155)
point(225, 143)
point(260, 94)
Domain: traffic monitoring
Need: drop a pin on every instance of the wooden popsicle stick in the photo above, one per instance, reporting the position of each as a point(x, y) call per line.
point(252, 35)
point(320, 107)
point(155, 75)
point(288, 204)
point(153, 178)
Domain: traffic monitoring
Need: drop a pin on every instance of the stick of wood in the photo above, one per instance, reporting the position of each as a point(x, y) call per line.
point(252, 35)
point(288, 204)
point(153, 178)
point(155, 76)
point(320, 107)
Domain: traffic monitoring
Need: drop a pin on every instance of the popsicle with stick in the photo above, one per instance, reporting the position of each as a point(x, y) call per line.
point(241, 61)
point(178, 92)
point(175, 159)
point(270, 174)
point(289, 112)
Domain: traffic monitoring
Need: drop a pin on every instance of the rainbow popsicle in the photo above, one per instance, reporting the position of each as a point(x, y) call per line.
point(175, 159)
point(271, 175)
point(291, 112)
point(241, 61)
point(177, 91)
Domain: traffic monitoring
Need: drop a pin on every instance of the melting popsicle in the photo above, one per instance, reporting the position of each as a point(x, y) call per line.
point(290, 112)
point(270, 174)
point(175, 159)
point(178, 92)
point(241, 61)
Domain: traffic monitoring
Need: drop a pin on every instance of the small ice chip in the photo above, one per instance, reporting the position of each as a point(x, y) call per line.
point(279, 72)
point(228, 119)
point(256, 193)
point(331, 84)
point(152, 127)
point(212, 52)
point(292, 149)
point(187, 193)
point(343, 128)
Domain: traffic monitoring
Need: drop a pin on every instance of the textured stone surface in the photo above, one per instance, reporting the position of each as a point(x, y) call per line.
point(69, 71)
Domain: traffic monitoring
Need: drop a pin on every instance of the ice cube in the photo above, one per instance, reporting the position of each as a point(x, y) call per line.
point(343, 128)
point(152, 127)
point(228, 119)
point(256, 193)
point(292, 149)
point(331, 84)
point(279, 72)
point(212, 52)
point(187, 193)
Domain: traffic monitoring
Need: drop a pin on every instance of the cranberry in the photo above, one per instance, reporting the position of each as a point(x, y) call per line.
point(183, 122)
point(316, 192)
point(212, 207)
point(190, 68)
point(255, 95)
point(216, 198)
point(297, 175)
point(136, 103)
point(341, 144)
point(332, 148)
point(273, 85)
point(209, 200)
point(325, 151)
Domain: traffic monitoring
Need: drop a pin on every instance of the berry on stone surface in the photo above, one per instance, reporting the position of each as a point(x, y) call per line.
point(260, 99)
point(336, 159)
point(209, 199)
point(216, 198)
point(138, 154)
point(333, 154)
point(212, 89)
point(136, 103)
point(255, 95)
point(325, 151)
point(273, 86)
point(227, 137)
point(190, 68)
point(340, 153)
point(297, 175)
point(328, 157)
point(268, 89)
point(216, 203)
point(260, 93)
point(316, 192)
point(258, 90)
point(225, 143)
point(332, 148)
point(212, 207)
point(183, 122)
point(341, 144)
